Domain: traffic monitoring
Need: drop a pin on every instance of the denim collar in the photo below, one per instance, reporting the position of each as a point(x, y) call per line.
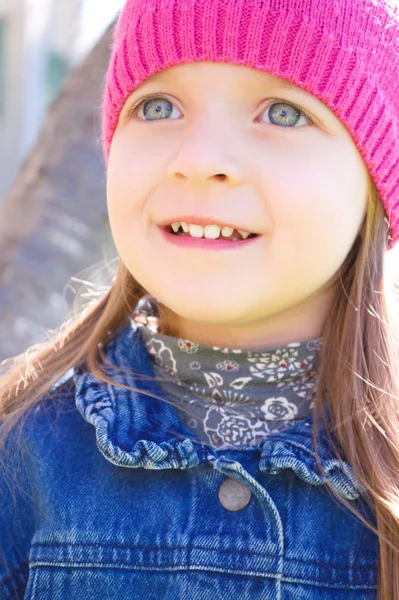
point(126, 436)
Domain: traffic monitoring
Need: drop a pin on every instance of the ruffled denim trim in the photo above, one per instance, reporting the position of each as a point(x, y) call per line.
point(281, 453)
point(96, 405)
point(99, 404)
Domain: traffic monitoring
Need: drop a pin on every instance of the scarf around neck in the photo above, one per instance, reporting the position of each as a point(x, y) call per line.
point(232, 397)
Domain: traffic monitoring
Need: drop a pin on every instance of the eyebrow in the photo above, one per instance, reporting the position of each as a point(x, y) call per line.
point(163, 76)
point(289, 86)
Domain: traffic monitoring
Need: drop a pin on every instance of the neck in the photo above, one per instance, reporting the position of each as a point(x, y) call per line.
point(299, 325)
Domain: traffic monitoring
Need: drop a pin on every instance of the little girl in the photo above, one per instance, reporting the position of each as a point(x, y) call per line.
point(224, 422)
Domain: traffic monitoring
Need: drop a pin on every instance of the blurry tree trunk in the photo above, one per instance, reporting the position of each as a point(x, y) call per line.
point(53, 223)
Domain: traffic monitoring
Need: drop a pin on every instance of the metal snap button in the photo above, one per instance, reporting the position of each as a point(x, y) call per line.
point(234, 495)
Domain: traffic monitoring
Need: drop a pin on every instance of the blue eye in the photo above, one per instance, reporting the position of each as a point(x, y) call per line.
point(285, 115)
point(154, 108)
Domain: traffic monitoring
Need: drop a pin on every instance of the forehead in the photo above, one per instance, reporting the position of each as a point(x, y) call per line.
point(243, 75)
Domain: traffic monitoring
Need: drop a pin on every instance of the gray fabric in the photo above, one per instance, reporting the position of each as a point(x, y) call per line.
point(229, 397)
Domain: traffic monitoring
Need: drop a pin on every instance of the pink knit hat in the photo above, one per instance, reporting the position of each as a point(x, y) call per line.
point(345, 52)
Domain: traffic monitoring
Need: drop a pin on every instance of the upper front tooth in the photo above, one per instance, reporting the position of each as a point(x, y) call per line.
point(227, 231)
point(244, 234)
point(185, 227)
point(196, 231)
point(212, 232)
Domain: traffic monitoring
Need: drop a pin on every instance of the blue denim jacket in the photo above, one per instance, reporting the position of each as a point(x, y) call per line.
point(99, 503)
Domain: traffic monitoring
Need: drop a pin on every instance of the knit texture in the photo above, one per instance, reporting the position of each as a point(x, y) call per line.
point(344, 52)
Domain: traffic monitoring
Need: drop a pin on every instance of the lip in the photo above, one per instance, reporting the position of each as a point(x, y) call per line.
point(203, 221)
point(203, 243)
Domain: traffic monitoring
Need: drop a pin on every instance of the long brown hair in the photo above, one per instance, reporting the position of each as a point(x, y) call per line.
point(358, 373)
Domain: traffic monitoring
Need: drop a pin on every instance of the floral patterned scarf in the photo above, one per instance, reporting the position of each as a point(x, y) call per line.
point(229, 397)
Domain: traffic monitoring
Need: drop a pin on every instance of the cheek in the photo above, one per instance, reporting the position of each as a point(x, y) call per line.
point(129, 183)
point(321, 198)
point(316, 216)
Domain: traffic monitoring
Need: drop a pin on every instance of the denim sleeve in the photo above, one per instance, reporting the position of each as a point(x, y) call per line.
point(16, 518)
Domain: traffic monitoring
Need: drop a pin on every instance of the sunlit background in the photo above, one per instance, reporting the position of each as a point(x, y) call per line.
point(40, 42)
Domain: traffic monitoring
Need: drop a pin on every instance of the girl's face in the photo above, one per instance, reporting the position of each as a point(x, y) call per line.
point(231, 145)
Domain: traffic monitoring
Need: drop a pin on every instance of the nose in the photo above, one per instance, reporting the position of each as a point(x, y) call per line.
point(204, 155)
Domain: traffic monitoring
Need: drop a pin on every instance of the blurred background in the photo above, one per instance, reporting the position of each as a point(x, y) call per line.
point(41, 41)
point(53, 222)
